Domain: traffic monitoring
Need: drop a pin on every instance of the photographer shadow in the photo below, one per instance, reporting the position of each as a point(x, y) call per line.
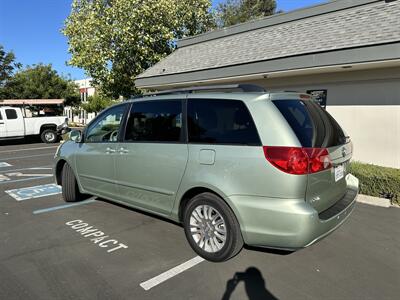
point(254, 285)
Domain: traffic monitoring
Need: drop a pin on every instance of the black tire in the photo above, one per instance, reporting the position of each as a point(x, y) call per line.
point(49, 136)
point(70, 188)
point(234, 240)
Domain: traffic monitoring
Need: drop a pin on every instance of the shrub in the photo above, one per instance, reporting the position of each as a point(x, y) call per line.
point(377, 181)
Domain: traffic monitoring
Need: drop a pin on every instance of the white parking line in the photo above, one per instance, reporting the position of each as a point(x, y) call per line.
point(3, 164)
point(40, 211)
point(7, 175)
point(27, 149)
point(171, 273)
point(29, 156)
point(32, 168)
point(4, 179)
point(19, 174)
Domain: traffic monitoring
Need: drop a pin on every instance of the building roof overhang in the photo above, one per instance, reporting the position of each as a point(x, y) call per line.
point(379, 56)
point(317, 39)
point(31, 102)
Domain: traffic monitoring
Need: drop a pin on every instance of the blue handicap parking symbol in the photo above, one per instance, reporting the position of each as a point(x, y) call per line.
point(34, 192)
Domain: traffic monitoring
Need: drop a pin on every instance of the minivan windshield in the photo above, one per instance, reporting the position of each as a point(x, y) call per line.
point(313, 125)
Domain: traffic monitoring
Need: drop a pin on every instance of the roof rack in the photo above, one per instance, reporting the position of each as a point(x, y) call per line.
point(228, 87)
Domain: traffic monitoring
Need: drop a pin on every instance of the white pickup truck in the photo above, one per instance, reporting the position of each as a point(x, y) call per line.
point(13, 124)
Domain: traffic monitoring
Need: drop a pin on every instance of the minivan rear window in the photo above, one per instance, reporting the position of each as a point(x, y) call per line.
point(313, 126)
point(220, 121)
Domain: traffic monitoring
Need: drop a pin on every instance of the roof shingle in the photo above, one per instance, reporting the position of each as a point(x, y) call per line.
point(366, 25)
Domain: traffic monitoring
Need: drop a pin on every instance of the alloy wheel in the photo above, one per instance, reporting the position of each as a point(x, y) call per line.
point(208, 229)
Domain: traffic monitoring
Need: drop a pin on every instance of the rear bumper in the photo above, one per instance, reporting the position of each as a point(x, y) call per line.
point(290, 223)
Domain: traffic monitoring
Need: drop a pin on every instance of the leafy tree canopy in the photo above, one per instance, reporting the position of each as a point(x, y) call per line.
point(97, 103)
point(115, 40)
point(231, 12)
point(7, 65)
point(41, 82)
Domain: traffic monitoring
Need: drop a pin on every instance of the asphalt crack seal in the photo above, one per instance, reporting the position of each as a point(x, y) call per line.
point(96, 236)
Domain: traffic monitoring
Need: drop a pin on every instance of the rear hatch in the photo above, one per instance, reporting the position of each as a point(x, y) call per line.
point(316, 128)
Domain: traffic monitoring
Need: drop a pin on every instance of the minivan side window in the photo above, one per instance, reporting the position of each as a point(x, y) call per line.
point(11, 114)
point(155, 121)
point(106, 127)
point(215, 121)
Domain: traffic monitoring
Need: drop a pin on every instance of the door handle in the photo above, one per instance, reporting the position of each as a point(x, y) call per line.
point(110, 150)
point(123, 150)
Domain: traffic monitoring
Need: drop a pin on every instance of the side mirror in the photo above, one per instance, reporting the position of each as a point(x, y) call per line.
point(76, 136)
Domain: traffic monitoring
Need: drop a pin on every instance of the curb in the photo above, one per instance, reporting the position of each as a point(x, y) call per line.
point(375, 201)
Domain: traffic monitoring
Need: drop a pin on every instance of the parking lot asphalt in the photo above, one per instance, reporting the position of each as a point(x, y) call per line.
point(45, 252)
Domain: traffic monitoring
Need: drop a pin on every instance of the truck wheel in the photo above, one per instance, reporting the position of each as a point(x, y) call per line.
point(49, 136)
point(211, 228)
point(70, 189)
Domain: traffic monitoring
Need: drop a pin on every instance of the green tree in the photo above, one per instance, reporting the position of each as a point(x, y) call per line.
point(97, 103)
point(233, 12)
point(41, 82)
point(115, 40)
point(7, 68)
point(7, 65)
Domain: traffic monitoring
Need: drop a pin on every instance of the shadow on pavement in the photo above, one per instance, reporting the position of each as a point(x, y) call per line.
point(269, 250)
point(142, 212)
point(254, 284)
point(22, 141)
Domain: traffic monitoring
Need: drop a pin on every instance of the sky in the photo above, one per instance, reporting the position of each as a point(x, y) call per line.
point(32, 30)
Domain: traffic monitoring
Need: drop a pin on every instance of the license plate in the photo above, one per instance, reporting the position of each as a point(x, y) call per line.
point(339, 172)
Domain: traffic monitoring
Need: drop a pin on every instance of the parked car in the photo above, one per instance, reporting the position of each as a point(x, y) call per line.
point(265, 169)
point(14, 125)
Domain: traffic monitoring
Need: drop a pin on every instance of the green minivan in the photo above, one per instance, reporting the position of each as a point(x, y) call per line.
point(234, 164)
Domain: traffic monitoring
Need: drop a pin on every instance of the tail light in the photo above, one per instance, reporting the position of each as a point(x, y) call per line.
point(298, 160)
